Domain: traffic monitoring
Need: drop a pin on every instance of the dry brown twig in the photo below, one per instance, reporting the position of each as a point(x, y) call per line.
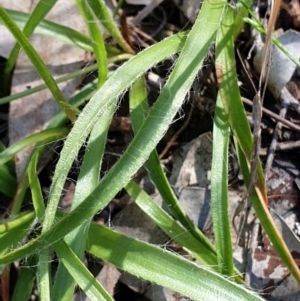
point(288, 124)
point(258, 99)
point(257, 107)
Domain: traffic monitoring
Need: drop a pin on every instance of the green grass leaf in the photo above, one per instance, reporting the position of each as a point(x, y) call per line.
point(86, 281)
point(102, 13)
point(88, 179)
point(37, 62)
point(60, 32)
point(139, 109)
point(98, 42)
point(40, 11)
point(53, 133)
point(8, 183)
point(234, 109)
point(163, 267)
point(25, 281)
point(176, 232)
point(219, 190)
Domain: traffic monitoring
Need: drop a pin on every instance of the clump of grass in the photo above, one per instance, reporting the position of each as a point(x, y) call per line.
point(72, 234)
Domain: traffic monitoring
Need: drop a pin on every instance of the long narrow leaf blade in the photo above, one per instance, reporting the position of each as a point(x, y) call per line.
point(101, 11)
point(37, 62)
point(54, 30)
point(219, 190)
point(139, 108)
point(237, 119)
point(98, 105)
point(87, 282)
point(163, 267)
point(98, 42)
point(88, 179)
point(36, 16)
point(54, 133)
point(170, 227)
